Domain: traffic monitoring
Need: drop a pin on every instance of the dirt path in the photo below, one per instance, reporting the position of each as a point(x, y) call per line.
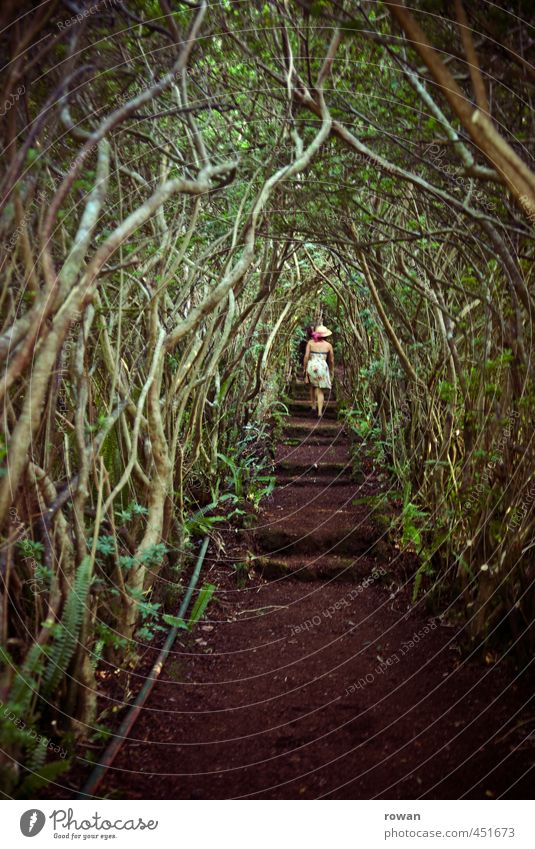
point(317, 678)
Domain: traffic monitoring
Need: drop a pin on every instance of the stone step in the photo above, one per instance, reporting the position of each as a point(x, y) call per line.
point(350, 569)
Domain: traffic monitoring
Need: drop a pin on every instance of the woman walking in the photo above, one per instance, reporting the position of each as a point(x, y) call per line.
point(319, 358)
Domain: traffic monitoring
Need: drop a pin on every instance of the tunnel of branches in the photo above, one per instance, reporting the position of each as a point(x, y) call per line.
point(185, 187)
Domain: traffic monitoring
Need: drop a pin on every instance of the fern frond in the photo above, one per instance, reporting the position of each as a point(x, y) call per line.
point(25, 683)
point(68, 632)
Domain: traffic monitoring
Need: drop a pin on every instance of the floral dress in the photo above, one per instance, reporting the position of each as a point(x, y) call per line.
point(318, 370)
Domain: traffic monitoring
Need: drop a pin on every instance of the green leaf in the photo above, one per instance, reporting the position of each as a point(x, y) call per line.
point(446, 391)
point(175, 621)
point(201, 603)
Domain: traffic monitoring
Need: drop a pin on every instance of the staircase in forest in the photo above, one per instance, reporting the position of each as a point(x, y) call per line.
point(314, 526)
point(316, 677)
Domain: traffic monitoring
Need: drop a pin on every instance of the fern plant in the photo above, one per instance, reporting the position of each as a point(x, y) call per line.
point(26, 683)
point(18, 731)
point(237, 473)
point(68, 632)
point(16, 719)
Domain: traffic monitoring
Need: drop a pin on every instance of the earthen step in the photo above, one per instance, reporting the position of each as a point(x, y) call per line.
point(322, 429)
point(306, 453)
point(313, 439)
point(279, 541)
point(302, 409)
point(362, 569)
point(325, 468)
point(300, 391)
point(321, 496)
point(325, 482)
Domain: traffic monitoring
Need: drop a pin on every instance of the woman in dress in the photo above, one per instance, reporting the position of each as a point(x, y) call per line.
point(319, 358)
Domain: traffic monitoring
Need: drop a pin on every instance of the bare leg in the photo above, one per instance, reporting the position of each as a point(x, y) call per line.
point(313, 397)
point(320, 399)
